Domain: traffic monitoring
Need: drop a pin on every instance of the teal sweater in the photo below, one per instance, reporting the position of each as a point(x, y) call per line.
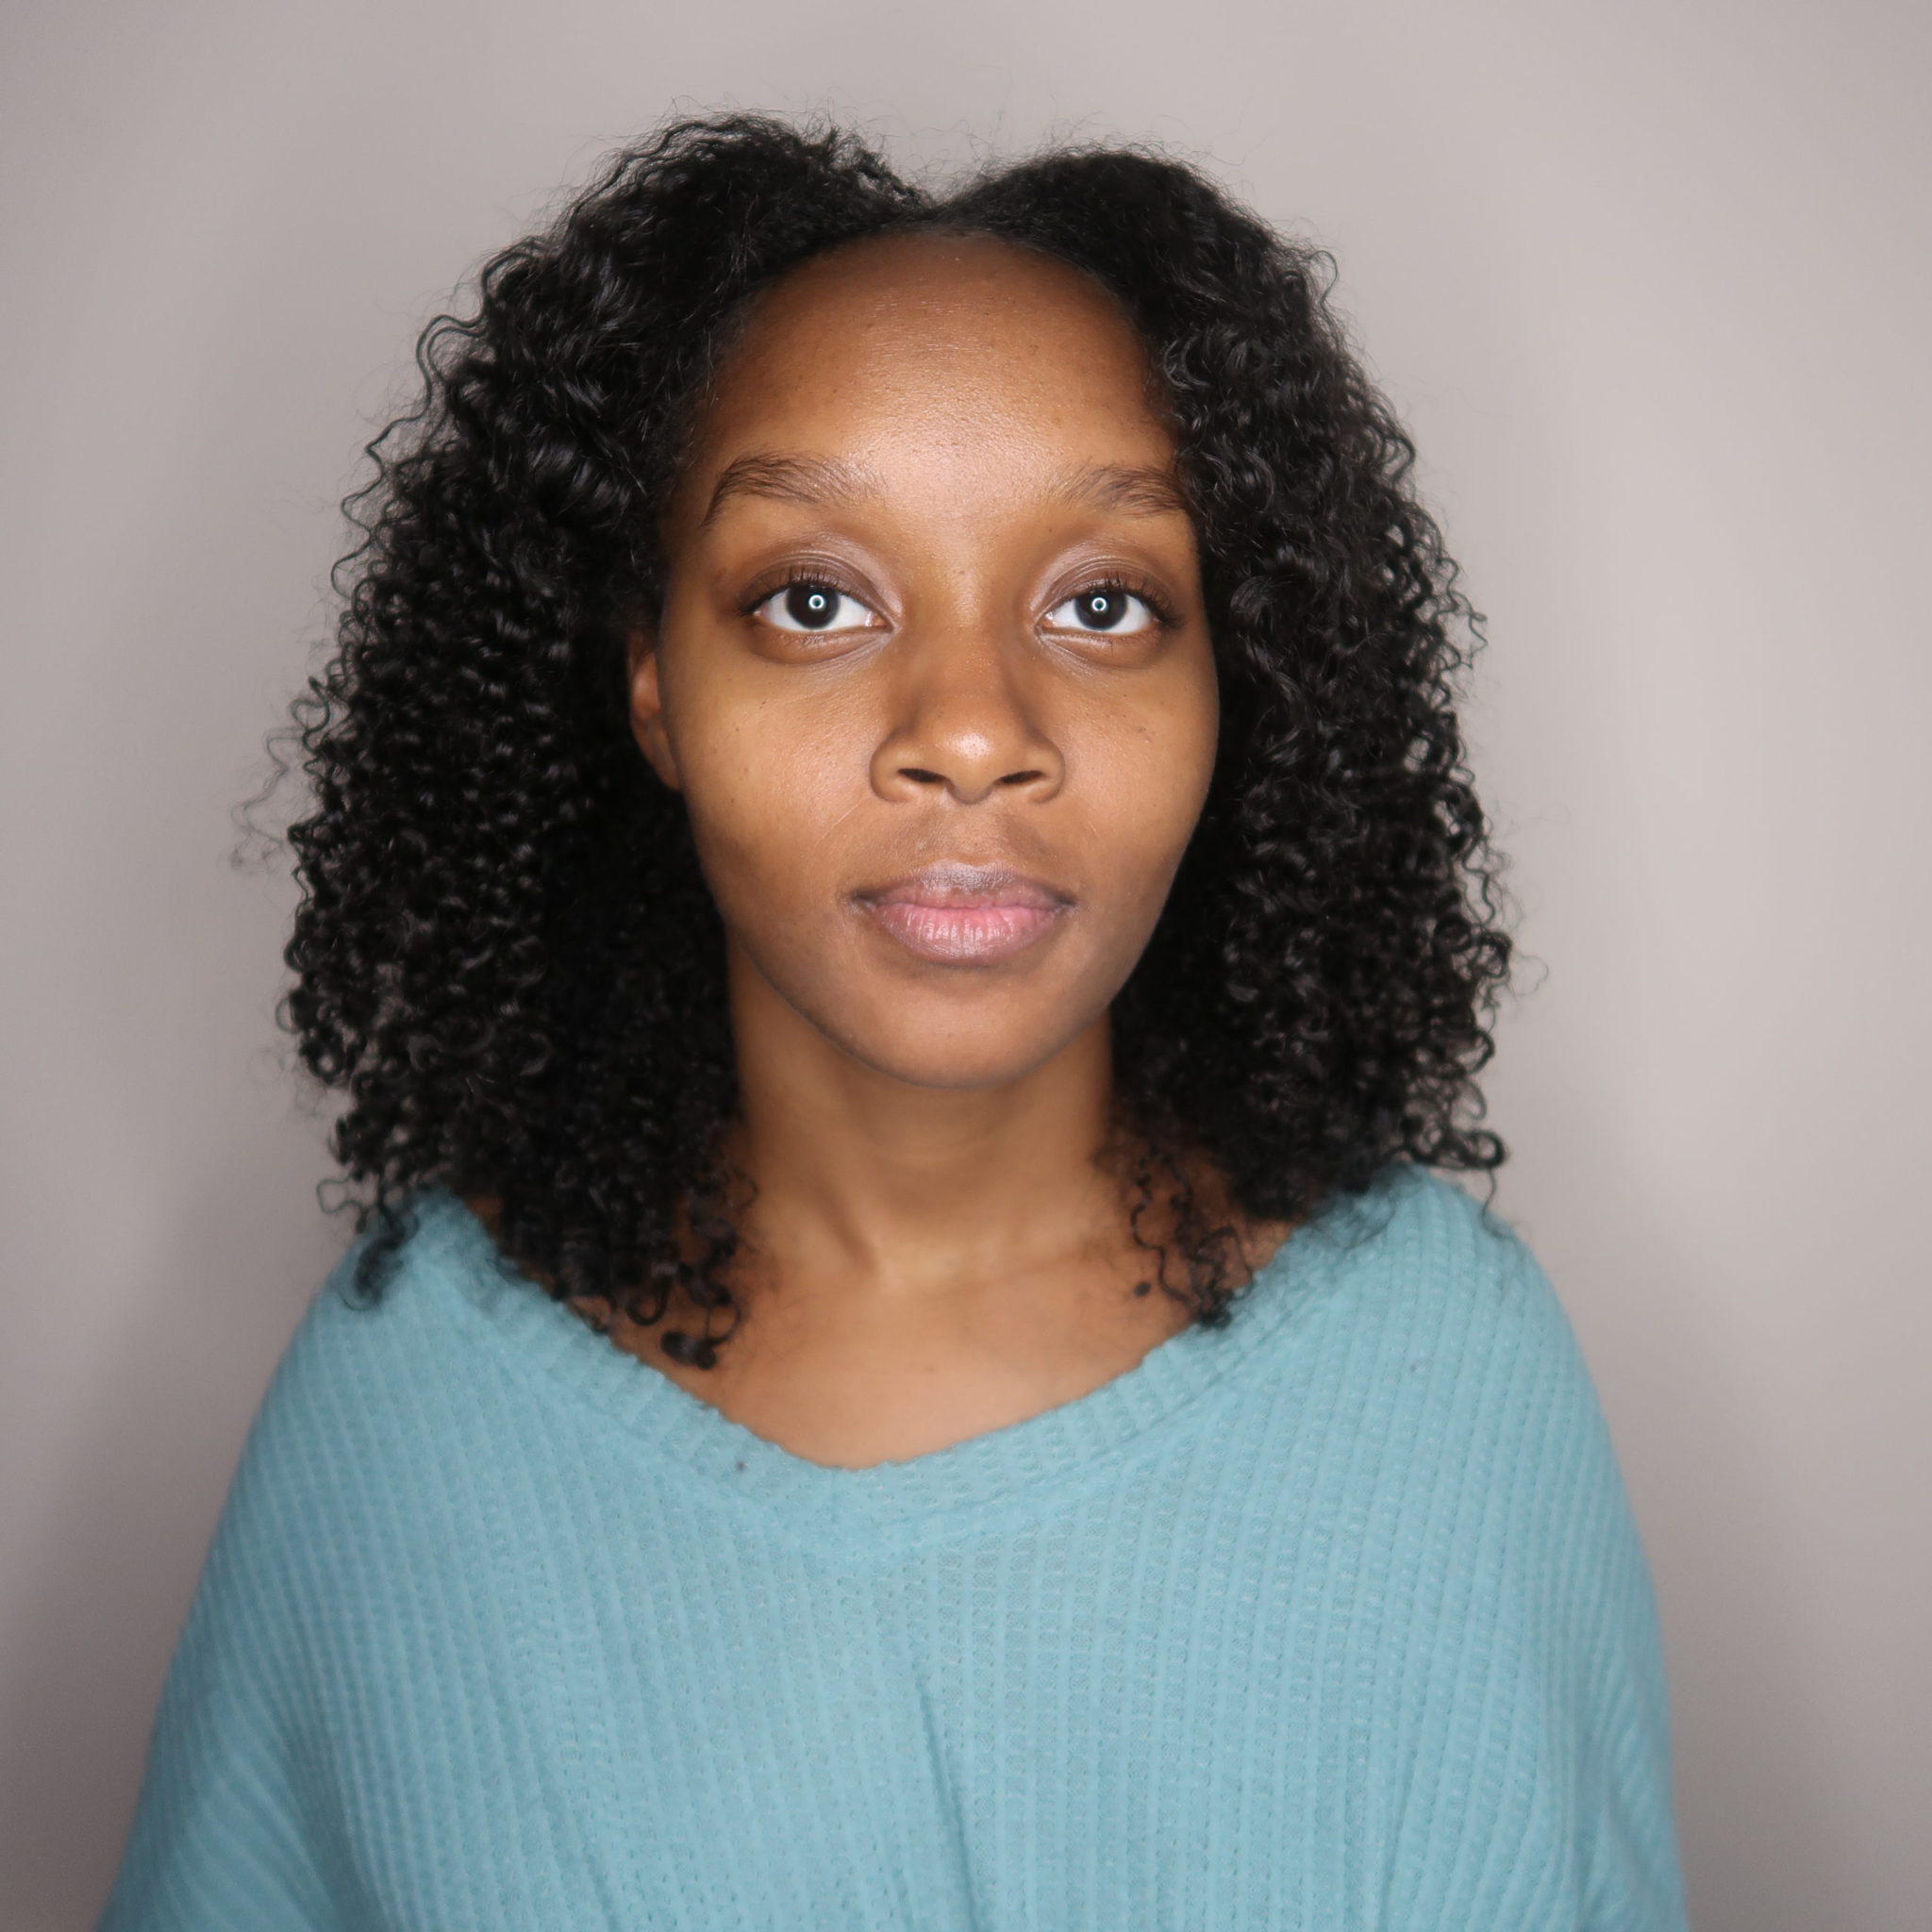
point(1334, 1618)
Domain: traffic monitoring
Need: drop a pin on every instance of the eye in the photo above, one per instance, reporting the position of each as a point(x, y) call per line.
point(813, 607)
point(1106, 608)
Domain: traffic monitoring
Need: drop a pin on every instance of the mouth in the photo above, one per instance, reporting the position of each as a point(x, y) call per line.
point(959, 914)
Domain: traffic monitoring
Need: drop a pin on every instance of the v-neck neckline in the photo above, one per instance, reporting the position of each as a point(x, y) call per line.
point(1131, 1411)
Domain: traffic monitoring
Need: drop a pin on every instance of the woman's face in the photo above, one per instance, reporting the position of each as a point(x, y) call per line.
point(932, 672)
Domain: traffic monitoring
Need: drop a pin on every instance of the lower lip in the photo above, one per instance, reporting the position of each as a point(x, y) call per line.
point(962, 934)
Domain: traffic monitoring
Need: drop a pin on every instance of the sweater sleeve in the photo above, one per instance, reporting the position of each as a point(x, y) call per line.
point(1632, 1880)
point(1538, 1797)
point(230, 1831)
point(1602, 1666)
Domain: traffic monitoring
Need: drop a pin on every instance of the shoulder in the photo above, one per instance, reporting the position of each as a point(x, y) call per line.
point(379, 1380)
point(1439, 1353)
point(1429, 1252)
point(379, 1319)
point(1434, 1314)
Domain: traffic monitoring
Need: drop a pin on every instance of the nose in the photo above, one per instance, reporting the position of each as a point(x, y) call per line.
point(963, 723)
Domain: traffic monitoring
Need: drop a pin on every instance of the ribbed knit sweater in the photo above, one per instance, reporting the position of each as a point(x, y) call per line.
point(1334, 1618)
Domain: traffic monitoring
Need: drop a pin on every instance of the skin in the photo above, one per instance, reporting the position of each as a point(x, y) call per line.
point(947, 441)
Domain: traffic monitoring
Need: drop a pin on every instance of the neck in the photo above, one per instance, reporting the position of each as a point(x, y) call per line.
point(907, 1191)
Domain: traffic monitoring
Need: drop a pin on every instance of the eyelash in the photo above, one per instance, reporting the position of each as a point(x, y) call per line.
point(804, 580)
point(1114, 581)
point(1118, 582)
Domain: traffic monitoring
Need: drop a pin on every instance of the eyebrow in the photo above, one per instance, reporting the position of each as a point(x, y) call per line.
point(1139, 491)
point(1132, 490)
point(789, 480)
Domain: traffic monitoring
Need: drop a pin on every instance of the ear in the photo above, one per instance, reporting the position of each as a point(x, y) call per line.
point(647, 708)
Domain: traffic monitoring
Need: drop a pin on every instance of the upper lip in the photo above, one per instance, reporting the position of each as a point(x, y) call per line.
point(955, 882)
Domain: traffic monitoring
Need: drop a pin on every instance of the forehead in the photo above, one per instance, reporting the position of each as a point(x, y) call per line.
point(935, 336)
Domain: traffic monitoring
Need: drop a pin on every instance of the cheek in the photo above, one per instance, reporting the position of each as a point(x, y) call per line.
point(1151, 779)
point(768, 786)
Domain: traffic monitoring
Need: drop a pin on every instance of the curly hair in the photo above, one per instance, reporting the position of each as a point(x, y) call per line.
point(505, 956)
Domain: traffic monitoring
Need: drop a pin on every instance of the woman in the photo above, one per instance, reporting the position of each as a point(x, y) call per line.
point(895, 902)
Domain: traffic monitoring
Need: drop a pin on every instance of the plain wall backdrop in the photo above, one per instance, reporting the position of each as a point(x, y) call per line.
point(1649, 282)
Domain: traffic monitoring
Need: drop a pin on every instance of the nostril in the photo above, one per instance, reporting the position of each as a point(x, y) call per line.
point(1020, 778)
point(919, 775)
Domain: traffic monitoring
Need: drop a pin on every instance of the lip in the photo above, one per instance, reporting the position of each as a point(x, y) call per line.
point(959, 914)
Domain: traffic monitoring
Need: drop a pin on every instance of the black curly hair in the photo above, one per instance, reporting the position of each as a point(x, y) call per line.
point(506, 957)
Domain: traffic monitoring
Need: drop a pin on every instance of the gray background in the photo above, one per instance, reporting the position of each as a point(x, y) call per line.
point(1649, 282)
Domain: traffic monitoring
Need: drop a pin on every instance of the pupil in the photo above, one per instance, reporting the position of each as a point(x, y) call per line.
point(807, 604)
point(1103, 608)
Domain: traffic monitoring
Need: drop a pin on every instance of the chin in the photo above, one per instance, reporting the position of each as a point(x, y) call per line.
point(953, 1057)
